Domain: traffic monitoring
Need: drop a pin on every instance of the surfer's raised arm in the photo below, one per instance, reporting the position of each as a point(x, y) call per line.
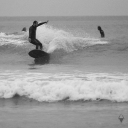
point(42, 23)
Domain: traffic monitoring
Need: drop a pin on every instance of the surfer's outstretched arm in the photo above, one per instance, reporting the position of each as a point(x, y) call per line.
point(42, 23)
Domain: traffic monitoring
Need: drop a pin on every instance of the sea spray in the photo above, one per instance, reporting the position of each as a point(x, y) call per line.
point(54, 39)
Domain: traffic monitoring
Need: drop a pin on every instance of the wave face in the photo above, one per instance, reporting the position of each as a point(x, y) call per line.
point(64, 47)
point(59, 87)
point(56, 42)
point(51, 38)
point(54, 39)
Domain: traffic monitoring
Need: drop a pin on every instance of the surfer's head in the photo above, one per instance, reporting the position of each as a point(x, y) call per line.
point(99, 28)
point(35, 23)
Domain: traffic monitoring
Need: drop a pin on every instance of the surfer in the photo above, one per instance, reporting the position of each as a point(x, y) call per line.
point(101, 32)
point(32, 34)
point(24, 29)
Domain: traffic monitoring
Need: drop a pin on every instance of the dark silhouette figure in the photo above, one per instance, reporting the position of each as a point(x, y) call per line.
point(101, 32)
point(32, 34)
point(24, 29)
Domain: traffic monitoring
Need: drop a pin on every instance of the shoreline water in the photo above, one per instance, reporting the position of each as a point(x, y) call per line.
point(21, 113)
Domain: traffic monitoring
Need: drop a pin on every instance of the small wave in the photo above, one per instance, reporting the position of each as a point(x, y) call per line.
point(119, 47)
point(13, 38)
point(58, 87)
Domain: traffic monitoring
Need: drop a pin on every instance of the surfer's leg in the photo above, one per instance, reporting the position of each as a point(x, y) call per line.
point(39, 44)
point(33, 41)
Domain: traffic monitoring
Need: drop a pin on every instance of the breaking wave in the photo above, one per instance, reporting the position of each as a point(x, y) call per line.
point(52, 39)
point(58, 87)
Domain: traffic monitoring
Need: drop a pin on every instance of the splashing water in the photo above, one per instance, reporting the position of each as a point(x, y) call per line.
point(54, 39)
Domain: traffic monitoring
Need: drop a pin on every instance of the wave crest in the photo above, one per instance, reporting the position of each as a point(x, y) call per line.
point(58, 87)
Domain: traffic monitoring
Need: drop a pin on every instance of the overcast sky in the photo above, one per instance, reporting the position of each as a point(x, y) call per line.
point(63, 7)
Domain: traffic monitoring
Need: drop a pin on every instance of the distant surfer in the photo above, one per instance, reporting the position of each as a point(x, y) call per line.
point(32, 34)
point(101, 32)
point(24, 29)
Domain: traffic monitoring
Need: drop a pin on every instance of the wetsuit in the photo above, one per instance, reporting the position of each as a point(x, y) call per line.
point(32, 35)
point(101, 32)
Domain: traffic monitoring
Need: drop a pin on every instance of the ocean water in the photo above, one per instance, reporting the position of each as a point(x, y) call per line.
point(86, 75)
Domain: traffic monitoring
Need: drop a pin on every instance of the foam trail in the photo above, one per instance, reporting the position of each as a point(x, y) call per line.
point(17, 39)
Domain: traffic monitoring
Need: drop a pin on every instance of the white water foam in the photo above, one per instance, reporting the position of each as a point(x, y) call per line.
point(57, 87)
point(17, 39)
point(54, 39)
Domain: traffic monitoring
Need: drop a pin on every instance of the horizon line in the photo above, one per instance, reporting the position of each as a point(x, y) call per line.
point(69, 16)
